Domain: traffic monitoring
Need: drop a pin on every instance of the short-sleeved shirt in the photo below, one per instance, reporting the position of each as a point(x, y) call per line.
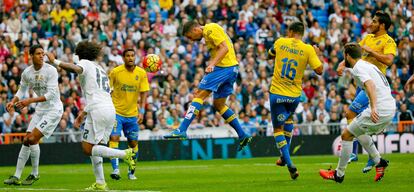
point(95, 86)
point(214, 35)
point(291, 58)
point(126, 87)
point(383, 44)
point(364, 71)
point(44, 82)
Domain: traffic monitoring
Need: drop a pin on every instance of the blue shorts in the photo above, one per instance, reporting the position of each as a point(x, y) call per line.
point(360, 102)
point(281, 108)
point(127, 124)
point(220, 81)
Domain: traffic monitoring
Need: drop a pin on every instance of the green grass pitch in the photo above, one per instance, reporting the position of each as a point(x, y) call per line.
point(256, 174)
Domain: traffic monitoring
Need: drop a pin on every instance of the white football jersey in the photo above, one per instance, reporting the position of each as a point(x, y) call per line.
point(43, 82)
point(364, 71)
point(95, 86)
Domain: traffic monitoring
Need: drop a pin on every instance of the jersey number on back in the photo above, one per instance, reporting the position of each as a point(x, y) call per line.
point(102, 80)
point(289, 68)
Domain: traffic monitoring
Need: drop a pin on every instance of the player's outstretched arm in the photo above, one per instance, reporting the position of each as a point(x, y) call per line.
point(66, 66)
point(370, 89)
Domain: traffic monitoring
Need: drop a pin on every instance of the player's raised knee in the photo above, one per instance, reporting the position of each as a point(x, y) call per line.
point(350, 114)
point(347, 136)
point(87, 149)
point(29, 140)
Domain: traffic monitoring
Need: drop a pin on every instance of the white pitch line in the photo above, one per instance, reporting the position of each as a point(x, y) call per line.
point(173, 167)
point(45, 189)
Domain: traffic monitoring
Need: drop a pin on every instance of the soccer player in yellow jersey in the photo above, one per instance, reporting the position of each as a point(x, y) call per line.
point(129, 85)
point(221, 73)
point(291, 58)
point(379, 49)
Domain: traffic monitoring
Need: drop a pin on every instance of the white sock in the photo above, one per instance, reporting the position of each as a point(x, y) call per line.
point(34, 156)
point(21, 160)
point(368, 145)
point(102, 151)
point(343, 159)
point(98, 169)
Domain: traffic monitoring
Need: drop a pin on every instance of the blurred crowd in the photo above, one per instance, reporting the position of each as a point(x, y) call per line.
point(153, 26)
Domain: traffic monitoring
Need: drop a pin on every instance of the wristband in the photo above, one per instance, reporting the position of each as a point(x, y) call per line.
point(141, 111)
point(57, 62)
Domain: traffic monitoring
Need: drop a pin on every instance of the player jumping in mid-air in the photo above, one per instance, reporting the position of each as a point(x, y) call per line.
point(291, 58)
point(42, 78)
point(99, 110)
point(129, 85)
point(379, 49)
point(222, 71)
point(371, 120)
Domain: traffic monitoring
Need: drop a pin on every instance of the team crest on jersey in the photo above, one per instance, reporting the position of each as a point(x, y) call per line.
point(281, 117)
point(379, 42)
point(209, 32)
point(39, 77)
point(136, 78)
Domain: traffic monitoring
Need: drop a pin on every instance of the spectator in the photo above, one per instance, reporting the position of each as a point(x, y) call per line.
point(148, 27)
point(320, 125)
point(248, 126)
point(405, 115)
point(9, 119)
point(334, 127)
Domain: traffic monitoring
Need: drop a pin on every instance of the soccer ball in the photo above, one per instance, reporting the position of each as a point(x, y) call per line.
point(152, 63)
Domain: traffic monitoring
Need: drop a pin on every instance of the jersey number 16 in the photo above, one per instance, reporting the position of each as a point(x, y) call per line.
point(289, 68)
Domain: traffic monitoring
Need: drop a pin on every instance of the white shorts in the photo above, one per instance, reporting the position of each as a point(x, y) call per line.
point(98, 125)
point(363, 125)
point(46, 122)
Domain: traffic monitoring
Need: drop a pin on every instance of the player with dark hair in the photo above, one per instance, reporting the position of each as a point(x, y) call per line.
point(372, 120)
point(378, 48)
point(221, 73)
point(99, 110)
point(291, 59)
point(42, 78)
point(129, 85)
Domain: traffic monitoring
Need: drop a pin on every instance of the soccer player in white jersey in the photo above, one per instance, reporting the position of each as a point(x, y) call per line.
point(99, 110)
point(42, 78)
point(372, 120)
